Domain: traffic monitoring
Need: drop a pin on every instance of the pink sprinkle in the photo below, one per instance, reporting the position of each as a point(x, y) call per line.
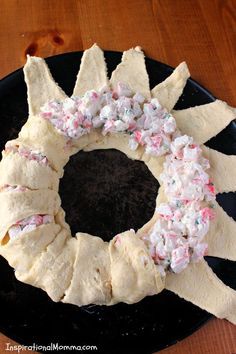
point(171, 235)
point(87, 124)
point(166, 216)
point(36, 219)
point(24, 153)
point(45, 161)
point(94, 95)
point(47, 115)
point(210, 186)
point(207, 214)
point(115, 95)
point(138, 136)
point(132, 126)
point(193, 146)
point(156, 140)
point(179, 254)
point(179, 154)
point(186, 201)
point(108, 125)
point(156, 257)
point(75, 123)
point(79, 117)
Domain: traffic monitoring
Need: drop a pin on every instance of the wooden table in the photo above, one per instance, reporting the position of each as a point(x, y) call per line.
point(201, 32)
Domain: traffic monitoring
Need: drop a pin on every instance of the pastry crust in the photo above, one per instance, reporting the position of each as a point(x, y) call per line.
point(221, 173)
point(38, 134)
point(197, 121)
point(132, 70)
point(93, 72)
point(91, 280)
point(221, 238)
point(18, 206)
point(53, 270)
point(42, 86)
point(21, 253)
point(169, 90)
point(33, 175)
point(198, 284)
point(133, 272)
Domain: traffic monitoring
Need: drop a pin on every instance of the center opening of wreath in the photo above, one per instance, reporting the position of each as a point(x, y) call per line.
point(104, 193)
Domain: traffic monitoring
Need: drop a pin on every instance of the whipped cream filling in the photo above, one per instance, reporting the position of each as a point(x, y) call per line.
point(118, 111)
point(28, 224)
point(27, 153)
point(15, 188)
point(177, 237)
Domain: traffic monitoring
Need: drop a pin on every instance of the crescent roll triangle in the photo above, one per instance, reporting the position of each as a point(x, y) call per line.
point(169, 90)
point(221, 237)
point(204, 122)
point(53, 270)
point(41, 86)
point(92, 274)
point(132, 71)
point(92, 73)
point(198, 284)
point(221, 173)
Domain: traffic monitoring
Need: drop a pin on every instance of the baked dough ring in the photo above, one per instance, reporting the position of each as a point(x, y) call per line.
point(85, 269)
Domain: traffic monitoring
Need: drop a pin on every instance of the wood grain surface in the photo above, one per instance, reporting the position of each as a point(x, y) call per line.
point(201, 32)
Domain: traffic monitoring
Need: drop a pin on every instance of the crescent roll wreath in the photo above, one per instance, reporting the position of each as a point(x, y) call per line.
point(121, 113)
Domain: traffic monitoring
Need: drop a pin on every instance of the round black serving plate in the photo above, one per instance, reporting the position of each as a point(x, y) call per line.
point(103, 193)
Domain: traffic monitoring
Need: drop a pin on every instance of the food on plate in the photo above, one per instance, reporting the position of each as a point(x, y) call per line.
point(124, 114)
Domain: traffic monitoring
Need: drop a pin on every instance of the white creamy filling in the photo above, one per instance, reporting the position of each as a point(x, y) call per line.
point(177, 237)
point(27, 153)
point(15, 188)
point(28, 224)
point(117, 111)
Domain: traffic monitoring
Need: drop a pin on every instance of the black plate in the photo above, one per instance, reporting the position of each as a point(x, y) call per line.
point(103, 193)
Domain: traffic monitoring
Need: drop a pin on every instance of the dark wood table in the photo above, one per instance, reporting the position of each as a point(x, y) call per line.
point(201, 32)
